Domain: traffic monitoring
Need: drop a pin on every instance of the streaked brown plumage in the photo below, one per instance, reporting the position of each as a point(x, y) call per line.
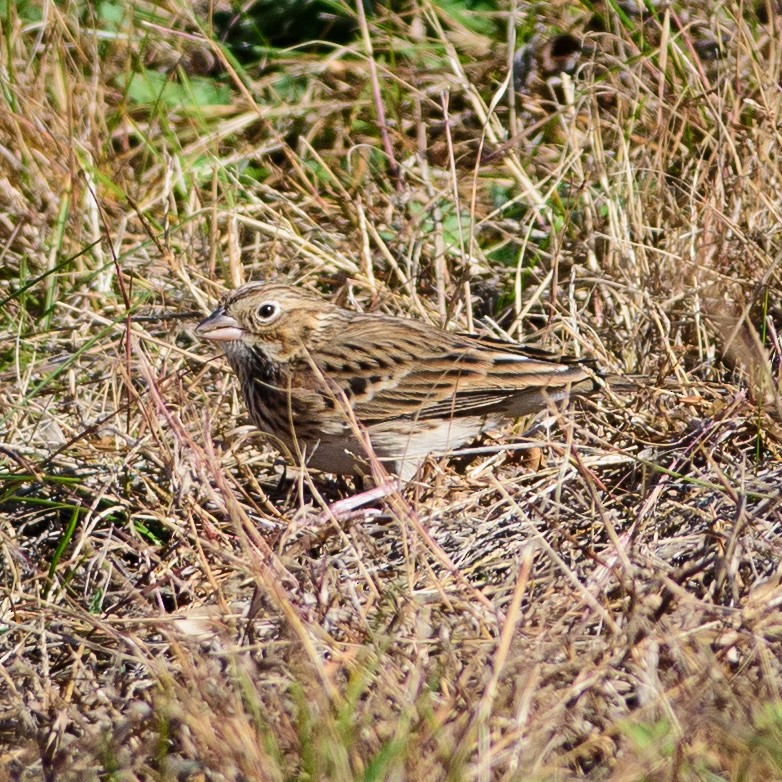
point(311, 371)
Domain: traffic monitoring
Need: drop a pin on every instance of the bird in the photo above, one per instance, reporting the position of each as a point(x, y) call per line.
point(336, 387)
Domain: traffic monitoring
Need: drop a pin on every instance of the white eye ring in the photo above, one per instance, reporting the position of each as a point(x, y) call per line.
point(268, 311)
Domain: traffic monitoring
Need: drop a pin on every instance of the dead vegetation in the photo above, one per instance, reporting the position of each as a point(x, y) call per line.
point(595, 593)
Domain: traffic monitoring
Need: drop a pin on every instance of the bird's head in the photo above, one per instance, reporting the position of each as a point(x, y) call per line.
point(276, 319)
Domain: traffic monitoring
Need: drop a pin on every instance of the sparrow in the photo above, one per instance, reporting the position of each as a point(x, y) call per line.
point(335, 387)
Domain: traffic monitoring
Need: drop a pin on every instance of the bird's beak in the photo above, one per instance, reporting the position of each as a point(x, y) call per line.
point(220, 327)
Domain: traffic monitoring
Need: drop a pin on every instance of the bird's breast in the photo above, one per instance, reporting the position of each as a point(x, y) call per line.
point(287, 401)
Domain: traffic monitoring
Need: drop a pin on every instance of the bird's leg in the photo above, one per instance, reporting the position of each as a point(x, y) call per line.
point(342, 509)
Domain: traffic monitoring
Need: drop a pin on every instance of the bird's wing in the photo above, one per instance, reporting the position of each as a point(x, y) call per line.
point(416, 372)
point(528, 351)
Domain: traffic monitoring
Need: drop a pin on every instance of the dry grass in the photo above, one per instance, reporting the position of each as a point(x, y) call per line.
point(602, 601)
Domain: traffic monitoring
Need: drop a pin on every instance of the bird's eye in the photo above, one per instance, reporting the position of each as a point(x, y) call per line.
point(268, 310)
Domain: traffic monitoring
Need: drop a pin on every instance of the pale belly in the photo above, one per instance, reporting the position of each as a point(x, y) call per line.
point(400, 447)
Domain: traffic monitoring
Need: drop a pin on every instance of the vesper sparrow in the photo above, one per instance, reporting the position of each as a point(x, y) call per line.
point(316, 376)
